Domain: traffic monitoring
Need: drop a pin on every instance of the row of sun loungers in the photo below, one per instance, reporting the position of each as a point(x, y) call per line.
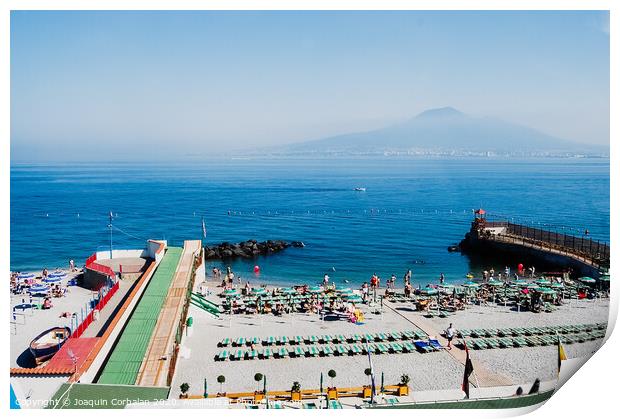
point(329, 350)
point(324, 339)
point(524, 341)
point(531, 331)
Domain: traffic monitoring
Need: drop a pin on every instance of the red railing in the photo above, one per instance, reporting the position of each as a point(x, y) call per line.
point(99, 306)
point(94, 266)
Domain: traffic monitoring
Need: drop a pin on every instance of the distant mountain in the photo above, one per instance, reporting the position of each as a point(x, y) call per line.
point(445, 130)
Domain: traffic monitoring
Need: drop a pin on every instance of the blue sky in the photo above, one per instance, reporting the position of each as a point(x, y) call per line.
point(113, 83)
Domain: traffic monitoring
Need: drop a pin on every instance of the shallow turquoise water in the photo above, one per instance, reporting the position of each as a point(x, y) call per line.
point(411, 211)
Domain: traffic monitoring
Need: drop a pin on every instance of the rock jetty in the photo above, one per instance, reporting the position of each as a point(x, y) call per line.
point(247, 249)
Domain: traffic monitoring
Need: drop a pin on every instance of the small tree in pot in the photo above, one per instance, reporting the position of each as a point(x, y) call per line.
point(184, 389)
point(296, 391)
point(332, 392)
point(403, 386)
point(221, 379)
point(258, 395)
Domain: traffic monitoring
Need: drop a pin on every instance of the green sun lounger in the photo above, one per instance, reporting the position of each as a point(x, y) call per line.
point(382, 337)
point(479, 344)
point(519, 341)
point(251, 354)
point(355, 338)
point(298, 340)
point(420, 335)
point(224, 342)
point(476, 333)
point(282, 353)
point(341, 349)
point(270, 340)
point(338, 339)
point(492, 343)
point(395, 336)
point(254, 341)
point(408, 334)
point(282, 340)
point(505, 342)
point(240, 342)
point(222, 356)
point(297, 352)
point(531, 341)
point(382, 349)
point(335, 404)
point(237, 355)
point(326, 338)
point(355, 349)
point(408, 347)
point(309, 405)
point(463, 333)
point(311, 339)
point(491, 333)
point(369, 337)
point(327, 351)
point(312, 351)
point(396, 347)
point(369, 348)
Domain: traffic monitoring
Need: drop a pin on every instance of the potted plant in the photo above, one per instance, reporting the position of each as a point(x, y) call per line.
point(367, 389)
point(296, 391)
point(403, 386)
point(184, 388)
point(332, 392)
point(221, 379)
point(258, 395)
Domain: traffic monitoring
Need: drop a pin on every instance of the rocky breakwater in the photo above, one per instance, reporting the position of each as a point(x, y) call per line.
point(247, 249)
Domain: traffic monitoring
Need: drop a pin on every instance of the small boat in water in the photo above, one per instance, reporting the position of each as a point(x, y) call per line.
point(47, 343)
point(360, 189)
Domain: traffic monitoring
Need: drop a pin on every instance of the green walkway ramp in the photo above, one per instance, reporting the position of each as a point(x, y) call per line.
point(124, 362)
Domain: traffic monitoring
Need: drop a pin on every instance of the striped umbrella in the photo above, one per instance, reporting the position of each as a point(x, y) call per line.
point(52, 280)
point(26, 275)
point(39, 289)
point(57, 274)
point(587, 280)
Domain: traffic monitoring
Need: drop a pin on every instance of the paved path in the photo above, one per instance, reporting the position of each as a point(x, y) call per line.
point(155, 366)
point(482, 377)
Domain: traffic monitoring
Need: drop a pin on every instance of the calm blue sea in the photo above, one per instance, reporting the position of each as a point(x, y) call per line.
point(411, 211)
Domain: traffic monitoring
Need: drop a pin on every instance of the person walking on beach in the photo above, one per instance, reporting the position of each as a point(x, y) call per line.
point(442, 278)
point(450, 332)
point(72, 265)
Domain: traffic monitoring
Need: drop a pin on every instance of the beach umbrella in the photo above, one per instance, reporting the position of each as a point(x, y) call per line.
point(546, 291)
point(557, 285)
point(495, 283)
point(205, 394)
point(533, 287)
point(231, 292)
point(57, 274)
point(39, 289)
point(259, 291)
point(288, 291)
point(51, 280)
point(26, 275)
point(428, 291)
point(519, 282)
point(587, 280)
point(604, 278)
point(471, 284)
point(543, 282)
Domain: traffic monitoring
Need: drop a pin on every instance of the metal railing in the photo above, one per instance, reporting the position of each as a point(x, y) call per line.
point(596, 251)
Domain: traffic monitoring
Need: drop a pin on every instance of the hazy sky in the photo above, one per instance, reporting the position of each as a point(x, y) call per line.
point(172, 83)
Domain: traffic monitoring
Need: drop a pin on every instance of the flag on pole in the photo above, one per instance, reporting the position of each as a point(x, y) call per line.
point(561, 354)
point(204, 228)
point(469, 368)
